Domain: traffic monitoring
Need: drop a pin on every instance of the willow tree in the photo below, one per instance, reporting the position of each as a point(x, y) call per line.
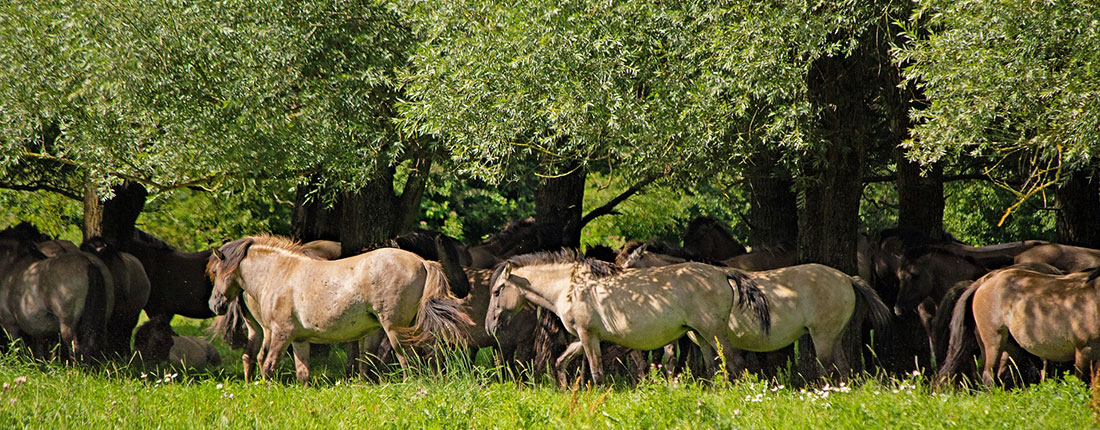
point(1017, 82)
point(108, 99)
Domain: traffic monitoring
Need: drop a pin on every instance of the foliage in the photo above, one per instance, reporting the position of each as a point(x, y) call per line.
point(1014, 80)
point(644, 87)
point(173, 93)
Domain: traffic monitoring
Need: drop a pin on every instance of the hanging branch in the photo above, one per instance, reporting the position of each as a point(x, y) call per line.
point(609, 207)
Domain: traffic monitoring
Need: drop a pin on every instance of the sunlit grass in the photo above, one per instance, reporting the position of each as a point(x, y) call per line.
point(461, 394)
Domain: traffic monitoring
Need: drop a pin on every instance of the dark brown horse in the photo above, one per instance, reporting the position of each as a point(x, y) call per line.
point(44, 298)
point(177, 279)
point(517, 237)
point(711, 240)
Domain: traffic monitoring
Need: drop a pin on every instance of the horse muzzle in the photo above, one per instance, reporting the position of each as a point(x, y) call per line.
point(218, 305)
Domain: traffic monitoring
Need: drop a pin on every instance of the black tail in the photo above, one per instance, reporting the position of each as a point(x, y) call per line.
point(231, 327)
point(962, 344)
point(92, 327)
point(749, 295)
point(449, 259)
point(880, 315)
point(941, 322)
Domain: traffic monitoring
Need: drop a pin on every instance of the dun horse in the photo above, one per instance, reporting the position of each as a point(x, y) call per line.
point(42, 298)
point(642, 309)
point(296, 299)
point(1053, 317)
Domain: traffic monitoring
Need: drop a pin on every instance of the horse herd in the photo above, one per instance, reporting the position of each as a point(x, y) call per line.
point(424, 293)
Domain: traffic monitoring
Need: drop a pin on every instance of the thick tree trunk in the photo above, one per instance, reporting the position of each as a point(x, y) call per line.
point(558, 203)
point(920, 198)
point(773, 208)
point(113, 219)
point(1078, 206)
point(313, 217)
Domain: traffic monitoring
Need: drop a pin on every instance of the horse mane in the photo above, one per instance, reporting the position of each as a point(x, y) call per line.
point(596, 268)
point(911, 237)
point(511, 233)
point(600, 252)
point(1093, 274)
point(100, 248)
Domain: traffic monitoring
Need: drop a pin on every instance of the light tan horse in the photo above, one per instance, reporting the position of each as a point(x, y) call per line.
point(296, 299)
point(641, 309)
point(1065, 257)
point(1054, 317)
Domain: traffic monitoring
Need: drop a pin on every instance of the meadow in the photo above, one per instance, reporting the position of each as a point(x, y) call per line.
point(51, 395)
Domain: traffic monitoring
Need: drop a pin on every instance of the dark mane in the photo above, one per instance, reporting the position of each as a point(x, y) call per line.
point(910, 255)
point(600, 252)
point(911, 237)
point(232, 255)
point(596, 268)
point(1093, 274)
point(513, 234)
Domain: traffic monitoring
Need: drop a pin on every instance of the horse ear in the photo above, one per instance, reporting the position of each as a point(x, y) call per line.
point(507, 272)
point(218, 253)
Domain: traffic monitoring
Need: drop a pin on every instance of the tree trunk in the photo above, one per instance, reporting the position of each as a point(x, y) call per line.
point(558, 203)
point(773, 207)
point(113, 219)
point(313, 218)
point(1078, 205)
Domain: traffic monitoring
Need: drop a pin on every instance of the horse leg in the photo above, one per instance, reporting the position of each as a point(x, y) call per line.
point(592, 352)
point(706, 350)
point(280, 340)
point(640, 365)
point(1084, 363)
point(369, 365)
point(301, 361)
point(70, 347)
point(993, 350)
point(251, 350)
point(572, 351)
point(395, 343)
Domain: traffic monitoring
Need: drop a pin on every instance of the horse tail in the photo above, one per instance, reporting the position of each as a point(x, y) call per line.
point(880, 315)
point(962, 343)
point(941, 322)
point(92, 326)
point(440, 315)
point(232, 327)
point(749, 295)
point(866, 297)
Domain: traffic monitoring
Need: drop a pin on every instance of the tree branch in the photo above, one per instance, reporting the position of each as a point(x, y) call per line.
point(42, 187)
point(608, 208)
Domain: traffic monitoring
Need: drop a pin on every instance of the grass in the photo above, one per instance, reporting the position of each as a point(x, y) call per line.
point(37, 395)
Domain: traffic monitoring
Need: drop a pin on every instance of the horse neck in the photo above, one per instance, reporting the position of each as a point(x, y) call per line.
point(548, 285)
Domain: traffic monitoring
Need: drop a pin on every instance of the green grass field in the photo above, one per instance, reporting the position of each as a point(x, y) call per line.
point(36, 395)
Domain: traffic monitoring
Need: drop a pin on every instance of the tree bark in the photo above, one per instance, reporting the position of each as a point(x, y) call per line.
point(558, 203)
point(1078, 202)
point(773, 206)
point(113, 219)
point(374, 213)
point(313, 218)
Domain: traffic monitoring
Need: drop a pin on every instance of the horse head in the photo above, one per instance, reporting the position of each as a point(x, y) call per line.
point(505, 299)
point(222, 270)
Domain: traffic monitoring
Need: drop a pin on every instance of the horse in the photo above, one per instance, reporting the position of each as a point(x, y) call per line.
point(41, 298)
point(763, 259)
point(641, 309)
point(639, 255)
point(323, 249)
point(710, 239)
point(156, 342)
point(517, 237)
point(1066, 258)
point(927, 273)
point(177, 279)
point(296, 299)
point(130, 293)
point(1053, 317)
point(513, 340)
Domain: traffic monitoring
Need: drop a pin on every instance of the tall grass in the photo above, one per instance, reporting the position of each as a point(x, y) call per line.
point(456, 392)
